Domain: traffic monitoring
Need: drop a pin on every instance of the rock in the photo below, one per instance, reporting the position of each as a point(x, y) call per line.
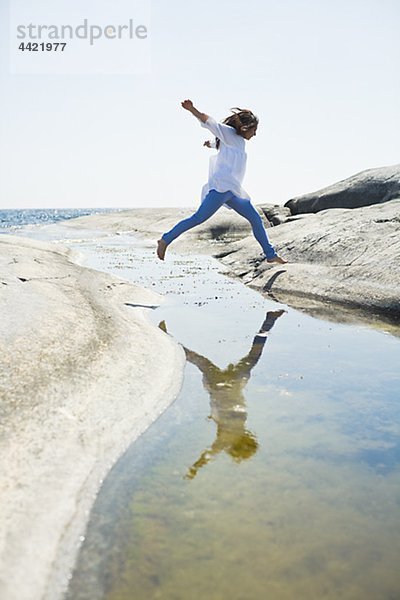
point(275, 213)
point(224, 227)
point(80, 379)
point(372, 186)
point(348, 257)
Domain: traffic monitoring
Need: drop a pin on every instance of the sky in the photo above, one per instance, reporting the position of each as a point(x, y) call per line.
point(323, 77)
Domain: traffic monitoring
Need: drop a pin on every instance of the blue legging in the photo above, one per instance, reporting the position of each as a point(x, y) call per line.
point(211, 203)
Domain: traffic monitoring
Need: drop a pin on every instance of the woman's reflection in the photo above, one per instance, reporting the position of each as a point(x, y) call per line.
point(228, 407)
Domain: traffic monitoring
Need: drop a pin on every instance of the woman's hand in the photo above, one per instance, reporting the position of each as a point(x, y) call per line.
point(187, 105)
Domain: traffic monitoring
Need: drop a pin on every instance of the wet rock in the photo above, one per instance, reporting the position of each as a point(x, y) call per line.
point(372, 186)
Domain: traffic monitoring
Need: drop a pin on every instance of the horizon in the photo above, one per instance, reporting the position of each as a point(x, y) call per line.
point(120, 208)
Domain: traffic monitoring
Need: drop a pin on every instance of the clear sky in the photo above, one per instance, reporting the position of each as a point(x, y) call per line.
point(322, 75)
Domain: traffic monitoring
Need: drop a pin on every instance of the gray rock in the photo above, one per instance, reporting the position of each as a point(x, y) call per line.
point(337, 258)
point(275, 213)
point(348, 257)
point(372, 186)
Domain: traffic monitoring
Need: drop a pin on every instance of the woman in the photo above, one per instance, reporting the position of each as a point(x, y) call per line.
point(226, 173)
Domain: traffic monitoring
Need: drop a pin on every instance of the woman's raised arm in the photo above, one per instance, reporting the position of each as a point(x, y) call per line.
point(188, 105)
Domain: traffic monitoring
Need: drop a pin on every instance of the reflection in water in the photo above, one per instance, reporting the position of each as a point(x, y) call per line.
point(313, 515)
point(228, 406)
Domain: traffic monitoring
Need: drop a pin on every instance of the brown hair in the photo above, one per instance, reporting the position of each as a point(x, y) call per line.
point(241, 120)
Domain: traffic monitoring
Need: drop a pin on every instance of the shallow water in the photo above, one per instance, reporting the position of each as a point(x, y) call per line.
point(275, 474)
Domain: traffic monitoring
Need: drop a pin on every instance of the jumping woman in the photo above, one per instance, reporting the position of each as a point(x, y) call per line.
point(227, 169)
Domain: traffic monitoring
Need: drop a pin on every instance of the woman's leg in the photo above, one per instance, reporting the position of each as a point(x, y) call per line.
point(211, 203)
point(247, 210)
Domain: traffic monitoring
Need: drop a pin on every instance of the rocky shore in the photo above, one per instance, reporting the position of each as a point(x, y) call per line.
point(79, 369)
point(80, 379)
point(343, 257)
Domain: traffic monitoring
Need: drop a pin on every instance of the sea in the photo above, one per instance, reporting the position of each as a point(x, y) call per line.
point(14, 219)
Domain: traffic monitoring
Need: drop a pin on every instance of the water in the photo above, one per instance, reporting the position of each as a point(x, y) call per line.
point(14, 219)
point(275, 474)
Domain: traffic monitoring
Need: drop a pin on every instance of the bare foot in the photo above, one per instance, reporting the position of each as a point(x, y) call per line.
point(161, 248)
point(277, 259)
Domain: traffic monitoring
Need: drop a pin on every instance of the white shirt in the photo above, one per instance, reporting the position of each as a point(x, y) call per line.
point(227, 168)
